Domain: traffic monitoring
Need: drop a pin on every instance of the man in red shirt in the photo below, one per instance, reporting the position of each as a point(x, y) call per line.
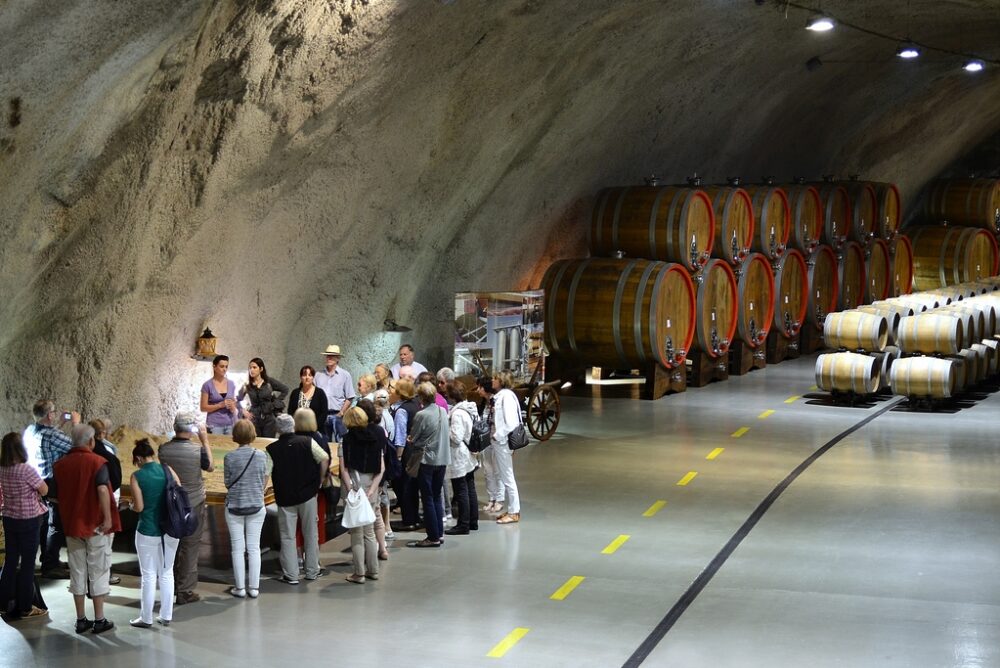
point(89, 520)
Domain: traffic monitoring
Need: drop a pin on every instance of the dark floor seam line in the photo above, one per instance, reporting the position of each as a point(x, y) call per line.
point(654, 638)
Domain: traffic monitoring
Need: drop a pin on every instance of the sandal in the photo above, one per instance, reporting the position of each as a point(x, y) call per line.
point(383, 555)
point(511, 518)
point(356, 579)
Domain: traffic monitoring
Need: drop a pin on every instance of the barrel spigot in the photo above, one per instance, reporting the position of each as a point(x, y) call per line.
point(774, 242)
point(734, 181)
point(696, 256)
point(715, 340)
point(735, 246)
point(799, 180)
point(653, 180)
point(788, 322)
point(694, 180)
point(753, 330)
point(767, 180)
point(996, 220)
point(669, 348)
point(618, 254)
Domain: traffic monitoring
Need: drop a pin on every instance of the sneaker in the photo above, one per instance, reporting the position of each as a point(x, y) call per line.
point(288, 580)
point(84, 625)
point(114, 580)
point(102, 625)
point(162, 622)
point(322, 572)
point(238, 593)
point(139, 624)
point(253, 593)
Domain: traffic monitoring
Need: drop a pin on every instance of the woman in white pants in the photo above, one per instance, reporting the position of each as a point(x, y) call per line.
point(245, 473)
point(155, 549)
point(506, 414)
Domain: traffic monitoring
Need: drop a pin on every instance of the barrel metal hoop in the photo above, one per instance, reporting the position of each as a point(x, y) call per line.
point(551, 306)
point(571, 302)
point(637, 311)
point(616, 312)
point(617, 217)
point(652, 222)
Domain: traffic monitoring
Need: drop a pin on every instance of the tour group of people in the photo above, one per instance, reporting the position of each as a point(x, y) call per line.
point(397, 435)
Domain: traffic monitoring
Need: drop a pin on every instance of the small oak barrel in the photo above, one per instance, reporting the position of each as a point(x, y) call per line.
point(975, 366)
point(756, 300)
point(619, 313)
point(715, 308)
point(836, 213)
point(791, 293)
point(823, 285)
point(864, 210)
point(886, 359)
point(988, 307)
point(772, 220)
point(851, 276)
point(848, 372)
point(734, 223)
point(902, 266)
point(993, 356)
point(972, 202)
point(920, 301)
point(878, 271)
point(973, 321)
point(987, 357)
point(947, 255)
point(930, 333)
point(807, 217)
point(856, 330)
point(891, 312)
point(889, 207)
point(931, 377)
point(654, 222)
point(952, 294)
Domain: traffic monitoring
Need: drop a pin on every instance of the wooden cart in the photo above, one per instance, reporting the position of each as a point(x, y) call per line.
point(539, 402)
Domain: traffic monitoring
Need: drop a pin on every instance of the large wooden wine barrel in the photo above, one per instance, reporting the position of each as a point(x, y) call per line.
point(807, 217)
point(836, 213)
point(930, 333)
point(931, 377)
point(756, 300)
point(856, 330)
point(864, 210)
point(878, 271)
point(791, 293)
point(715, 308)
point(654, 222)
point(851, 276)
point(972, 202)
point(902, 266)
point(772, 220)
point(619, 313)
point(734, 223)
point(848, 372)
point(946, 255)
point(823, 285)
point(889, 210)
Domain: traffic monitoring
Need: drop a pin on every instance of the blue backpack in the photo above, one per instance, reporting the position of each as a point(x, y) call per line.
point(178, 520)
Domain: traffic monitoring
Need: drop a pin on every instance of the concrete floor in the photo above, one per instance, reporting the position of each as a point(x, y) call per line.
point(883, 553)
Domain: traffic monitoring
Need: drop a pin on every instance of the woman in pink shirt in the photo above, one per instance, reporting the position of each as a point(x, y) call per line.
point(21, 491)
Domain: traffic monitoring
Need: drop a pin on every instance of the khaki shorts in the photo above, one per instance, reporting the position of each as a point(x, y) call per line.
point(89, 562)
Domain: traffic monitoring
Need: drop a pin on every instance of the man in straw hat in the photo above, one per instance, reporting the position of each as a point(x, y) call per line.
point(338, 386)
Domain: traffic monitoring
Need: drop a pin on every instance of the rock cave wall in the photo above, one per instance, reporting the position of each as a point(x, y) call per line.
point(293, 172)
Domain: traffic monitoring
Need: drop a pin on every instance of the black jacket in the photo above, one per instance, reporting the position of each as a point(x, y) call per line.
point(296, 474)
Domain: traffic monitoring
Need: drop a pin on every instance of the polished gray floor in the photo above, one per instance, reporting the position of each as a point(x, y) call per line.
point(883, 553)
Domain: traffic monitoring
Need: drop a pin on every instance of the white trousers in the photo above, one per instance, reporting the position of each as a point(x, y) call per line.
point(503, 469)
point(156, 563)
point(493, 489)
point(244, 536)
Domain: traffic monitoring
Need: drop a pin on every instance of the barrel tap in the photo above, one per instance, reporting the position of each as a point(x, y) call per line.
point(694, 180)
point(696, 258)
point(996, 219)
point(788, 322)
point(669, 350)
point(774, 242)
point(736, 247)
point(653, 180)
point(754, 334)
point(715, 340)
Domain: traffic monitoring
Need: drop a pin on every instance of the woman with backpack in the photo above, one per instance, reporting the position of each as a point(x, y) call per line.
point(155, 549)
point(245, 475)
point(267, 398)
point(462, 470)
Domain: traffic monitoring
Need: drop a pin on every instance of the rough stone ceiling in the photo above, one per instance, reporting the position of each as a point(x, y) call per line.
point(292, 172)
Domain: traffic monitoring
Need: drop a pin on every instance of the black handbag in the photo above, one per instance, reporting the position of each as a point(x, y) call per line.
point(518, 437)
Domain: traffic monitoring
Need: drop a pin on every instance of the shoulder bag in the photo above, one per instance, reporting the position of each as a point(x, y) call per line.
point(518, 437)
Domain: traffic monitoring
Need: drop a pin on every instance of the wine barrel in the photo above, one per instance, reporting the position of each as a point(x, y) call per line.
point(988, 307)
point(715, 308)
point(994, 346)
point(851, 276)
point(655, 222)
point(791, 293)
point(931, 377)
point(878, 271)
point(889, 208)
point(807, 217)
point(619, 313)
point(972, 202)
point(891, 312)
point(823, 285)
point(734, 223)
point(772, 220)
point(920, 301)
point(902, 266)
point(944, 256)
point(975, 371)
point(864, 210)
point(856, 330)
point(973, 322)
point(930, 333)
point(756, 300)
point(885, 360)
point(848, 372)
point(836, 213)
point(987, 359)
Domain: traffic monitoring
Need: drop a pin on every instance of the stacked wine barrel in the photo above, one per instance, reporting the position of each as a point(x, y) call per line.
point(859, 372)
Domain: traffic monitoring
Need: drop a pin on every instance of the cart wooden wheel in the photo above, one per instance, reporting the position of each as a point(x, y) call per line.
point(543, 412)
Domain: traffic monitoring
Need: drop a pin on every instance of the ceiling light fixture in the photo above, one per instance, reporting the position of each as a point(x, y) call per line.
point(973, 66)
point(820, 23)
point(908, 51)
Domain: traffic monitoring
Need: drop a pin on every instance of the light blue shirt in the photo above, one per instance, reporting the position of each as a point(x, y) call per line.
point(338, 386)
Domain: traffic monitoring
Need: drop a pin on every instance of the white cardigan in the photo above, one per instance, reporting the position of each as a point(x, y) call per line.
point(462, 461)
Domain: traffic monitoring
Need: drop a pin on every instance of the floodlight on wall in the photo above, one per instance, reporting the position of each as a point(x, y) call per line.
point(973, 66)
point(820, 23)
point(908, 51)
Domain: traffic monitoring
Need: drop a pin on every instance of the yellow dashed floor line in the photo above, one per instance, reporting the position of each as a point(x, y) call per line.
point(766, 414)
point(567, 588)
point(715, 453)
point(739, 432)
point(688, 477)
point(508, 642)
point(655, 508)
point(792, 400)
point(615, 544)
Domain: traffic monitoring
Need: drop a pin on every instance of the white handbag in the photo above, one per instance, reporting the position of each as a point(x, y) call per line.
point(357, 510)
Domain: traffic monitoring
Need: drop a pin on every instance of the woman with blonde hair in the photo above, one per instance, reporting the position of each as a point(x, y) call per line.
point(246, 473)
point(382, 376)
point(506, 414)
point(361, 467)
point(367, 384)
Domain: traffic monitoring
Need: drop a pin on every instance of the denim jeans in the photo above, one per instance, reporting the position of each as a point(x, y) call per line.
point(431, 480)
point(17, 581)
point(334, 429)
point(223, 431)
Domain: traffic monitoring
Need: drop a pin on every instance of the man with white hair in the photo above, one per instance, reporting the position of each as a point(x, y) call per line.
point(90, 521)
point(406, 359)
point(188, 459)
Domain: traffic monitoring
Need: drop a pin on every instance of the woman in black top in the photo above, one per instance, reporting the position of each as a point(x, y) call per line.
point(361, 467)
point(267, 398)
point(309, 395)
